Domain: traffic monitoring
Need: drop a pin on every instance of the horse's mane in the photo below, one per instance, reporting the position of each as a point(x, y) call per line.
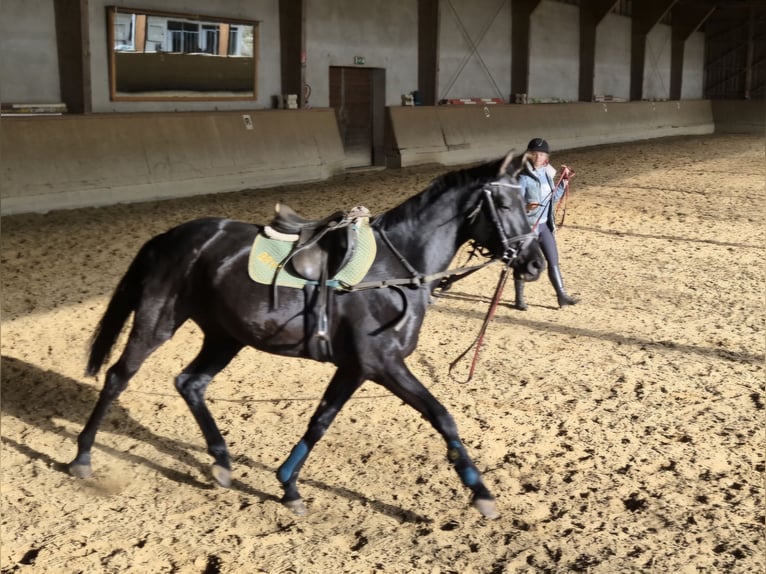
point(465, 178)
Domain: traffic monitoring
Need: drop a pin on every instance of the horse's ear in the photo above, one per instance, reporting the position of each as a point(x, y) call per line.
point(506, 164)
point(519, 165)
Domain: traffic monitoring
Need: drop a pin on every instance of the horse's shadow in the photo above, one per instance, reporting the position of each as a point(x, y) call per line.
point(39, 397)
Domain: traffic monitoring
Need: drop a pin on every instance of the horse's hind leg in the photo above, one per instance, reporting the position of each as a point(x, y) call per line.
point(400, 381)
point(340, 389)
point(140, 345)
point(192, 383)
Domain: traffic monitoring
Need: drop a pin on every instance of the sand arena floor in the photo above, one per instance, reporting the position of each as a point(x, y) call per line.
point(625, 434)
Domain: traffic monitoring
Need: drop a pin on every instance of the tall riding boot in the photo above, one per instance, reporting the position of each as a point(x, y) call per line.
point(518, 285)
point(558, 284)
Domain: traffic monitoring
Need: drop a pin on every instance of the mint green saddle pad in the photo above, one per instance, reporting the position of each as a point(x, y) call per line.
point(266, 255)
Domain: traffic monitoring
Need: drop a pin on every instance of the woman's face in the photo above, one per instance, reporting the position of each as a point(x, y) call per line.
point(539, 159)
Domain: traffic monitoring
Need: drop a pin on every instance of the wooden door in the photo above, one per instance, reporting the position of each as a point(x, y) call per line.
point(358, 97)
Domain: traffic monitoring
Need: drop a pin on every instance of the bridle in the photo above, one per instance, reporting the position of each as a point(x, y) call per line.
point(512, 246)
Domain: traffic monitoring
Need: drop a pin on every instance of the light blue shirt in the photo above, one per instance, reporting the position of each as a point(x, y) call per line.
point(536, 187)
point(545, 193)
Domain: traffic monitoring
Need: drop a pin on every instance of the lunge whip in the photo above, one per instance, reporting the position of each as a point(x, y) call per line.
point(487, 319)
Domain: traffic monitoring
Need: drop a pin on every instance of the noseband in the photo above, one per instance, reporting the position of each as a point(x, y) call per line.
point(512, 246)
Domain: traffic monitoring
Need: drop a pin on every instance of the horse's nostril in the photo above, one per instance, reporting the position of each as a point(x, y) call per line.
point(536, 266)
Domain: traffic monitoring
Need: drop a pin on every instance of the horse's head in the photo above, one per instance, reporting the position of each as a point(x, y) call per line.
point(499, 225)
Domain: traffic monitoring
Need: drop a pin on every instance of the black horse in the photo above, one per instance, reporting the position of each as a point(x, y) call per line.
point(198, 271)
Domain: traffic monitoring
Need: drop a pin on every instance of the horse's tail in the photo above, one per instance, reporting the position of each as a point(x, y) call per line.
point(124, 301)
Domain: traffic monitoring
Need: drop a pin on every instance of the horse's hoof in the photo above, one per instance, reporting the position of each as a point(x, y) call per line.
point(487, 507)
point(296, 506)
point(222, 475)
point(80, 470)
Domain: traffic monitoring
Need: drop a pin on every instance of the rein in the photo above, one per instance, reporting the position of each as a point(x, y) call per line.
point(416, 280)
point(512, 247)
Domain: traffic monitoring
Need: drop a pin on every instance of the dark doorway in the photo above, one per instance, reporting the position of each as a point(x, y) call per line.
point(358, 96)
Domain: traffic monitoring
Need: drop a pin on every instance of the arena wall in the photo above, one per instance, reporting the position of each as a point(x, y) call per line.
point(456, 134)
point(78, 161)
point(740, 116)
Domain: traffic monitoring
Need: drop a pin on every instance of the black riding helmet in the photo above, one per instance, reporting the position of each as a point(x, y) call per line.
point(538, 144)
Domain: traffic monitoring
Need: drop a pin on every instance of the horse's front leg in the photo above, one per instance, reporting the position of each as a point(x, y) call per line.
point(400, 381)
point(341, 387)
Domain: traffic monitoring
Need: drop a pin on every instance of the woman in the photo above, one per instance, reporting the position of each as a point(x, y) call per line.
point(535, 177)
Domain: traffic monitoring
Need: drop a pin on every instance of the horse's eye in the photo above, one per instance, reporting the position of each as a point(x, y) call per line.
point(504, 201)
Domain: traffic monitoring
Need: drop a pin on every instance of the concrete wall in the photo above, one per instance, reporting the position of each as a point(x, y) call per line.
point(29, 57)
point(612, 67)
point(29, 71)
point(474, 49)
point(554, 45)
point(657, 63)
point(78, 161)
point(692, 84)
point(453, 135)
point(184, 148)
point(383, 32)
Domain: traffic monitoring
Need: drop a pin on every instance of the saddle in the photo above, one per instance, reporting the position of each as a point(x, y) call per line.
point(320, 246)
